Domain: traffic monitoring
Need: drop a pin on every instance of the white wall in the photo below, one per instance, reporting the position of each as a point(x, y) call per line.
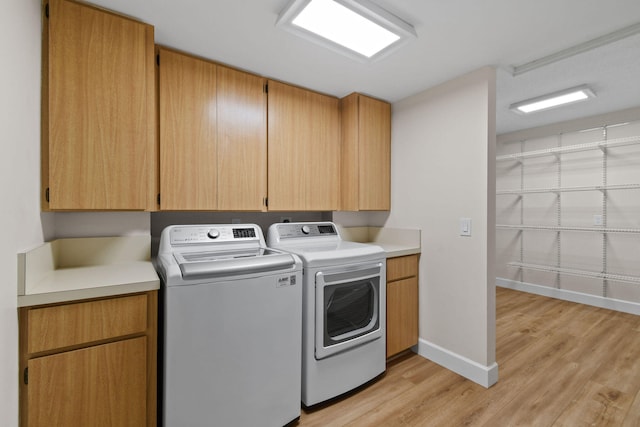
point(19, 176)
point(443, 143)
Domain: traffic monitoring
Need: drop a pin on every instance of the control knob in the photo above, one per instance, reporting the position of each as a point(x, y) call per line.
point(306, 229)
point(213, 233)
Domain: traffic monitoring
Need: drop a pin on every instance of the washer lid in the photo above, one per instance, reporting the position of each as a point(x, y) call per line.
point(198, 265)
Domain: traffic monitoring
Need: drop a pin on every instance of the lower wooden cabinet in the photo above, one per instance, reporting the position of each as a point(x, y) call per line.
point(89, 363)
point(402, 303)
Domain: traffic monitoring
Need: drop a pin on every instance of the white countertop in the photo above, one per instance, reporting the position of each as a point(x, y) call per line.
point(73, 269)
point(393, 250)
point(395, 241)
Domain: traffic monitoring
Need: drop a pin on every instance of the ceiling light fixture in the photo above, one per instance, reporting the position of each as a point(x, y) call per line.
point(577, 49)
point(356, 28)
point(552, 100)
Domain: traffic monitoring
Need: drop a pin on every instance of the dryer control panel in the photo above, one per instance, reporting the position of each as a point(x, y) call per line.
point(306, 229)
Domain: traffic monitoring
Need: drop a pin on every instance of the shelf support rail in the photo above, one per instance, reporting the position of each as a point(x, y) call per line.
point(605, 283)
point(558, 209)
point(521, 200)
point(577, 272)
point(617, 142)
point(569, 189)
point(565, 228)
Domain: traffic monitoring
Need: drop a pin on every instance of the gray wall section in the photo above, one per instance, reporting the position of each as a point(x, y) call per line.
point(160, 220)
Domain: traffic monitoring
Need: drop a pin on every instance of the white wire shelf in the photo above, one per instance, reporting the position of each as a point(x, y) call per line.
point(570, 189)
point(617, 142)
point(577, 272)
point(560, 228)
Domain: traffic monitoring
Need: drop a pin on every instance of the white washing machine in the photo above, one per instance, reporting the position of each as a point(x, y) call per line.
point(343, 309)
point(232, 328)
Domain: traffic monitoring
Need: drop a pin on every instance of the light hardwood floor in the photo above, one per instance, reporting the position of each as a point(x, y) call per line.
point(560, 364)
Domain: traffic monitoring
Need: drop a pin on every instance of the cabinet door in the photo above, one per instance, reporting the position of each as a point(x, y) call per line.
point(66, 325)
point(188, 134)
point(242, 141)
point(375, 154)
point(103, 385)
point(98, 110)
point(304, 149)
point(402, 267)
point(366, 153)
point(402, 315)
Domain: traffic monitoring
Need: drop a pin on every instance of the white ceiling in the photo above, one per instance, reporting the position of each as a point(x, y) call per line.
point(454, 37)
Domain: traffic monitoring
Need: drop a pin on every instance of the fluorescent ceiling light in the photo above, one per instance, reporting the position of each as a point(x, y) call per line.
point(356, 28)
point(342, 25)
point(579, 48)
point(556, 99)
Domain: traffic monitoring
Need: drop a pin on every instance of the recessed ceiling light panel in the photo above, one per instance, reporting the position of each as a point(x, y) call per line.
point(552, 100)
point(357, 28)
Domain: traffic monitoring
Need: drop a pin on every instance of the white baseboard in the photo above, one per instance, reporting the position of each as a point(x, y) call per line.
point(486, 376)
point(573, 296)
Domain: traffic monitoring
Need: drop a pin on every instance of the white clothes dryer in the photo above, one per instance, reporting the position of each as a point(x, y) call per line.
point(343, 308)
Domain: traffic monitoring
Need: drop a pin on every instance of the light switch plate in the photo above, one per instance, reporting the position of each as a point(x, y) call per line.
point(465, 226)
point(597, 220)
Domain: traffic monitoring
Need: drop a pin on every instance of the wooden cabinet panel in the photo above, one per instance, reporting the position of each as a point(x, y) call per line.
point(366, 153)
point(402, 267)
point(375, 154)
point(322, 163)
point(304, 149)
point(402, 303)
point(350, 162)
point(71, 324)
point(242, 140)
point(98, 127)
point(402, 315)
point(213, 136)
point(103, 385)
point(188, 134)
point(286, 152)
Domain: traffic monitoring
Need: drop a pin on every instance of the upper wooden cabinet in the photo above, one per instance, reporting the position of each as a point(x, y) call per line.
point(242, 141)
point(98, 110)
point(213, 146)
point(304, 149)
point(366, 154)
point(188, 157)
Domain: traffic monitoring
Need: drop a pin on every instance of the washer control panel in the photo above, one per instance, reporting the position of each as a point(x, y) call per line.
point(195, 234)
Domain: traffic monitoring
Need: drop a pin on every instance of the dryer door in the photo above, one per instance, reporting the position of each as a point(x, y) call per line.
point(349, 307)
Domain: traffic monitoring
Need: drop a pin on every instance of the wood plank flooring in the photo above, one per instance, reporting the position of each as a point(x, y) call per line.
point(560, 364)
